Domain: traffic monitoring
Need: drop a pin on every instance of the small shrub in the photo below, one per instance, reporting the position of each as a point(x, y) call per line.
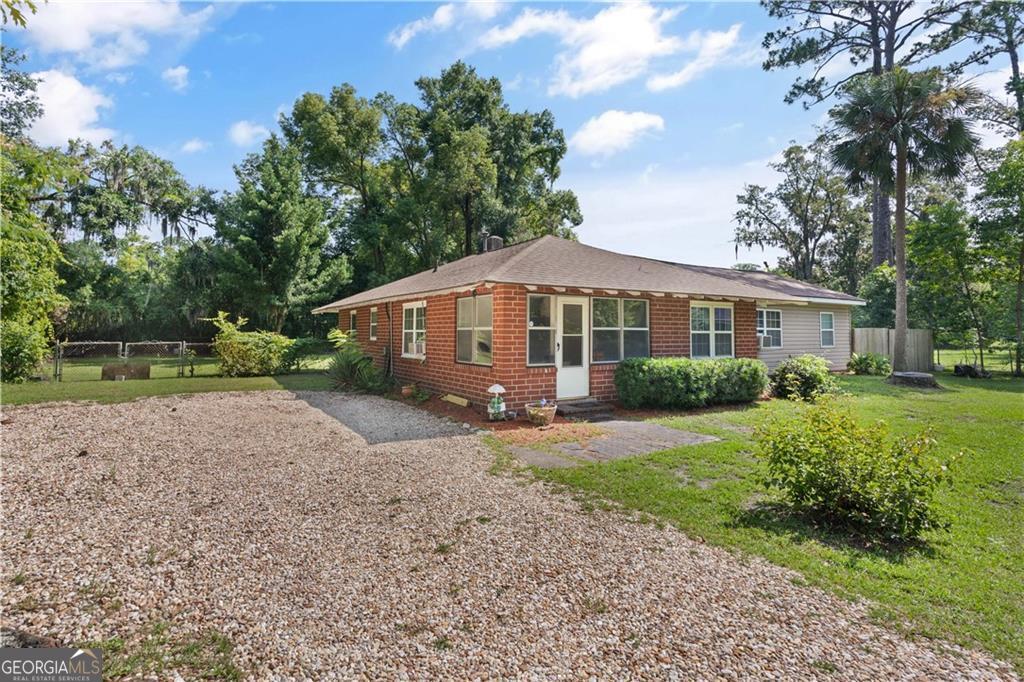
point(683, 383)
point(803, 377)
point(244, 354)
point(869, 363)
point(22, 349)
point(350, 367)
point(297, 356)
point(827, 464)
point(739, 380)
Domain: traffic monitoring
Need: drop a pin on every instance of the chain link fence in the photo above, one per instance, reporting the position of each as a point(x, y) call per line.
point(84, 360)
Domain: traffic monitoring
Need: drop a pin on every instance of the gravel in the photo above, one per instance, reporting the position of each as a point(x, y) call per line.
point(320, 555)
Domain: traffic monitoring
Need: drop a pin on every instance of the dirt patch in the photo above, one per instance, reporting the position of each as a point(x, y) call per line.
point(475, 416)
point(559, 432)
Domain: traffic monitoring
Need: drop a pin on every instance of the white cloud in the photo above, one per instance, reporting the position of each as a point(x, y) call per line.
point(614, 46)
point(614, 131)
point(732, 128)
point(712, 47)
point(247, 133)
point(445, 17)
point(194, 145)
point(111, 35)
point(677, 215)
point(176, 77)
point(71, 110)
point(118, 77)
point(992, 83)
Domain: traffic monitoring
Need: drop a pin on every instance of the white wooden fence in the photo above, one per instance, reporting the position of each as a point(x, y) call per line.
point(920, 347)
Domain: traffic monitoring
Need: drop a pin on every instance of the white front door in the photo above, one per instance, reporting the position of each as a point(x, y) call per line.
point(572, 353)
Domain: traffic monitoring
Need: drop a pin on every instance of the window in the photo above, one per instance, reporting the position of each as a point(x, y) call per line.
point(473, 329)
point(540, 330)
point(827, 326)
point(769, 328)
point(414, 330)
point(352, 321)
point(710, 331)
point(619, 329)
point(373, 324)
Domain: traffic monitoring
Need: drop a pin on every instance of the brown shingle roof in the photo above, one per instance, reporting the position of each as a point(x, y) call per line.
point(550, 261)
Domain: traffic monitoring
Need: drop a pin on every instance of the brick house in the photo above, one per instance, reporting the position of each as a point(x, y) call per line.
point(551, 318)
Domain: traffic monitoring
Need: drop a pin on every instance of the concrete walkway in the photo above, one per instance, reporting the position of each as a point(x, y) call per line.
point(625, 439)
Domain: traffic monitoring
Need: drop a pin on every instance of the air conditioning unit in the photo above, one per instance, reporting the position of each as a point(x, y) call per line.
point(766, 340)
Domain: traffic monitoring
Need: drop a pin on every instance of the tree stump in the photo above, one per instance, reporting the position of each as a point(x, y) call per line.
point(914, 379)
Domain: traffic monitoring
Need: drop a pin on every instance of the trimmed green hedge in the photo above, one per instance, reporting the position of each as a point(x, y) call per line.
point(681, 383)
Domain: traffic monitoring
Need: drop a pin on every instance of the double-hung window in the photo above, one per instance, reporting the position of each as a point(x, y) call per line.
point(711, 331)
point(769, 328)
point(827, 329)
point(540, 330)
point(352, 321)
point(373, 324)
point(473, 329)
point(414, 330)
point(620, 328)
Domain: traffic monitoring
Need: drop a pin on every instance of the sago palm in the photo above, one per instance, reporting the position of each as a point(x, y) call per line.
point(898, 125)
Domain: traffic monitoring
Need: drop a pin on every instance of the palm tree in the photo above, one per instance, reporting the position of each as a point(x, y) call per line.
point(896, 125)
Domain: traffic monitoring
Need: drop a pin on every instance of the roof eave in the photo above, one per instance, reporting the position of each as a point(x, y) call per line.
point(338, 306)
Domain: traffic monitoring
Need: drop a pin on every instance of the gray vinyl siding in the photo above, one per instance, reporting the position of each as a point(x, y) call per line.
point(800, 334)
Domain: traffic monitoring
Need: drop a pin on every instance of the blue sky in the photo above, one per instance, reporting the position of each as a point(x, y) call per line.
point(666, 107)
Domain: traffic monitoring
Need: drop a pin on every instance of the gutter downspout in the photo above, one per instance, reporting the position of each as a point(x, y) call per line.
point(389, 368)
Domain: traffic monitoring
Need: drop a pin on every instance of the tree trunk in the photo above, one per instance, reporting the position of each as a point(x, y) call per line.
point(881, 232)
point(467, 219)
point(1016, 84)
point(884, 57)
point(1020, 311)
point(899, 361)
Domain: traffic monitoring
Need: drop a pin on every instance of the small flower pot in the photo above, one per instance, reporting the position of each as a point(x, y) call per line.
point(541, 415)
point(408, 390)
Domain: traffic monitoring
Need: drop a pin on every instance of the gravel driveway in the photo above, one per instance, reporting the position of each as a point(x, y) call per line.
point(264, 519)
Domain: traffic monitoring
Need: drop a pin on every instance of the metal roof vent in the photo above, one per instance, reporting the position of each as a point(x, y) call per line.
point(492, 243)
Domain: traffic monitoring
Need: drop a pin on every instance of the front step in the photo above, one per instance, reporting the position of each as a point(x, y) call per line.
point(585, 409)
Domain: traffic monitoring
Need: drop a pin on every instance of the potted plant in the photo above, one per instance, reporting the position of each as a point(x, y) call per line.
point(541, 413)
point(409, 390)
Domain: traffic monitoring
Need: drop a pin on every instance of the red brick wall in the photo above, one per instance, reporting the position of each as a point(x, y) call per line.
point(439, 372)
point(745, 329)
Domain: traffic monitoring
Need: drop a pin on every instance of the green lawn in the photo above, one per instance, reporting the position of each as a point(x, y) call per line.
point(120, 391)
point(997, 359)
point(81, 381)
point(965, 585)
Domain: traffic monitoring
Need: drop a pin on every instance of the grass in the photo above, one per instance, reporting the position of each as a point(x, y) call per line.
point(996, 359)
point(208, 658)
point(965, 585)
point(121, 391)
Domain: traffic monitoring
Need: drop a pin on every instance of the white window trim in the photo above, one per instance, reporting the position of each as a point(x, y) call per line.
point(821, 329)
point(352, 317)
point(551, 328)
point(621, 329)
point(766, 328)
point(415, 304)
point(373, 323)
point(711, 305)
point(473, 329)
